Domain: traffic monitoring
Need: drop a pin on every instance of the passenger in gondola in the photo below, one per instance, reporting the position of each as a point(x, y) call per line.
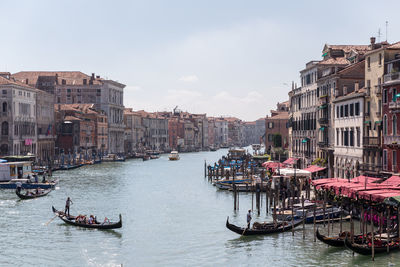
point(91, 219)
point(19, 187)
point(248, 219)
point(106, 220)
point(68, 203)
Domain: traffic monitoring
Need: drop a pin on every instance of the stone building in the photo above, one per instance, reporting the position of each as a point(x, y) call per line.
point(348, 142)
point(18, 117)
point(45, 127)
point(75, 87)
point(277, 124)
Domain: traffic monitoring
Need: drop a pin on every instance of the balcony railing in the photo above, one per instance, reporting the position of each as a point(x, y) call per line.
point(371, 167)
point(371, 141)
point(378, 89)
point(394, 105)
point(391, 77)
point(324, 99)
point(391, 140)
point(323, 120)
point(323, 143)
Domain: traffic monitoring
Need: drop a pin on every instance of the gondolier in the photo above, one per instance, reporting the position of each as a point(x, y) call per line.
point(248, 219)
point(19, 187)
point(67, 205)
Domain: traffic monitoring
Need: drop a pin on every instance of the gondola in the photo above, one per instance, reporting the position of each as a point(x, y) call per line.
point(337, 241)
point(270, 229)
point(42, 194)
point(71, 220)
point(366, 249)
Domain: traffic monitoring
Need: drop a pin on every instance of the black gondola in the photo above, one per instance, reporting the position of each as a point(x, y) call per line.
point(337, 241)
point(269, 229)
point(71, 220)
point(41, 194)
point(366, 249)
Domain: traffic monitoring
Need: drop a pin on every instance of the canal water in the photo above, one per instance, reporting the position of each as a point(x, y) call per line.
point(172, 216)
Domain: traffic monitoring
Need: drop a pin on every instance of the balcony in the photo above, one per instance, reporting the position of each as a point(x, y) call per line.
point(370, 167)
point(371, 141)
point(324, 99)
point(378, 89)
point(323, 120)
point(394, 105)
point(391, 140)
point(323, 143)
point(394, 76)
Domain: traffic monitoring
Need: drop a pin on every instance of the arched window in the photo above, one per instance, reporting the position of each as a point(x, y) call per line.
point(4, 106)
point(385, 125)
point(394, 125)
point(4, 128)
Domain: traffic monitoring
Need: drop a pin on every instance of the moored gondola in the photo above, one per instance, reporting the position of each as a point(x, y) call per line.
point(337, 241)
point(71, 220)
point(268, 228)
point(366, 249)
point(34, 195)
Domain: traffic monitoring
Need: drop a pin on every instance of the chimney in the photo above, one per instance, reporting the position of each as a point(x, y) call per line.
point(97, 76)
point(372, 39)
point(344, 90)
point(356, 87)
point(26, 81)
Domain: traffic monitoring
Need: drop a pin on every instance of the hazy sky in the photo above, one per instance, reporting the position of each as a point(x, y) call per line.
point(231, 57)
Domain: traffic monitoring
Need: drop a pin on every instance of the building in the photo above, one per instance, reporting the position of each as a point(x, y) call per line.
point(277, 127)
point(390, 110)
point(220, 132)
point(45, 127)
point(18, 117)
point(75, 87)
point(349, 125)
point(376, 60)
point(81, 129)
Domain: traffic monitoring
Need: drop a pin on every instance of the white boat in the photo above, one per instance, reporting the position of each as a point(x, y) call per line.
point(174, 155)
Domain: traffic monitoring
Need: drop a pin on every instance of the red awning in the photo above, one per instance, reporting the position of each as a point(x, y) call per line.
point(394, 181)
point(314, 168)
point(273, 165)
point(378, 195)
point(290, 161)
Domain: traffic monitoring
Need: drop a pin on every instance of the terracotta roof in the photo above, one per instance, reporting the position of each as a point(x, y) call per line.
point(279, 116)
point(84, 108)
point(70, 77)
point(349, 48)
point(394, 45)
point(11, 81)
point(335, 61)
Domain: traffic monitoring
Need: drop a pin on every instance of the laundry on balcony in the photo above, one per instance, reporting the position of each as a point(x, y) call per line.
point(322, 128)
point(323, 106)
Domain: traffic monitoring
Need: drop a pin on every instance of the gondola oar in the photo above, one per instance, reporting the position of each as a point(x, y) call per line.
point(51, 220)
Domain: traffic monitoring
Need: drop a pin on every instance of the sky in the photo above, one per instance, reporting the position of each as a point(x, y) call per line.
point(223, 58)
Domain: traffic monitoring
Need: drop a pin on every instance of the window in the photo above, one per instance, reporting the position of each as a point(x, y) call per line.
point(369, 62)
point(385, 159)
point(380, 59)
point(352, 137)
point(352, 109)
point(337, 137)
point(63, 82)
point(4, 92)
point(394, 125)
point(385, 96)
point(357, 109)
point(4, 128)
point(4, 106)
point(346, 110)
point(394, 160)
point(341, 111)
point(337, 111)
point(346, 137)
point(368, 84)
point(270, 137)
point(394, 92)
point(270, 125)
point(358, 137)
point(385, 125)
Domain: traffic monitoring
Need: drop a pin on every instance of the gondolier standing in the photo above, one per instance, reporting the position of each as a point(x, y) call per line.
point(67, 205)
point(248, 219)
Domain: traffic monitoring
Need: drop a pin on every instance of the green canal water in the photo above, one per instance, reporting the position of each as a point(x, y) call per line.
point(172, 216)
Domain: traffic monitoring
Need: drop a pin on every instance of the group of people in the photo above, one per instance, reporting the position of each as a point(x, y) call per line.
point(83, 219)
point(36, 178)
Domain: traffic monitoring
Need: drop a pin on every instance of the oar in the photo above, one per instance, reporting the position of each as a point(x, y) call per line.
point(51, 220)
